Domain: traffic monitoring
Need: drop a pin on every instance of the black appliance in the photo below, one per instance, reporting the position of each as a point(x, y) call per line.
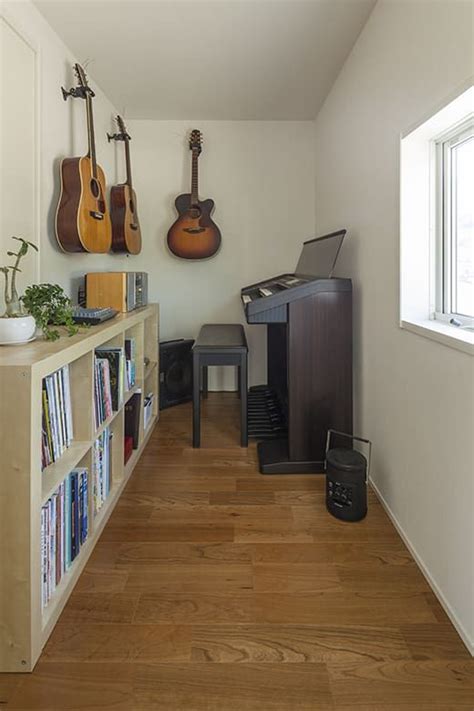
point(346, 481)
point(176, 372)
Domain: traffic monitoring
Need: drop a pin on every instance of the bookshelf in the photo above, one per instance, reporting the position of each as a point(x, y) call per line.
point(25, 624)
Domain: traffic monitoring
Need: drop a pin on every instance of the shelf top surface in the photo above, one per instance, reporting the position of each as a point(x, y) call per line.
point(68, 348)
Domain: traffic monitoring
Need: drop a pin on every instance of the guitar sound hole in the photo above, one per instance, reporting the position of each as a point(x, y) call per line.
point(95, 188)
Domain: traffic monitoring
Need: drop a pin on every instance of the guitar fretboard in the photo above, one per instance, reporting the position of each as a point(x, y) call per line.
point(194, 179)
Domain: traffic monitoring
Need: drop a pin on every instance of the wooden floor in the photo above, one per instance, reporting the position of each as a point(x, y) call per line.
point(215, 588)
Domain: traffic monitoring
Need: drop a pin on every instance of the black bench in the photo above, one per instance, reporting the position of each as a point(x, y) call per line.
point(219, 344)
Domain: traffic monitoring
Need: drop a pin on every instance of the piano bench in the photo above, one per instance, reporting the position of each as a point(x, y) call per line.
point(219, 344)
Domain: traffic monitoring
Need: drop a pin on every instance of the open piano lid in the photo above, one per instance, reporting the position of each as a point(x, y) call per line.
point(266, 301)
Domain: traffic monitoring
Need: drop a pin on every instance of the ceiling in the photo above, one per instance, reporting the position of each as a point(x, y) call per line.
point(211, 59)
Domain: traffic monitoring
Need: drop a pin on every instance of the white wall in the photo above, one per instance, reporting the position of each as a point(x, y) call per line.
point(261, 177)
point(260, 174)
point(414, 397)
point(18, 158)
point(62, 132)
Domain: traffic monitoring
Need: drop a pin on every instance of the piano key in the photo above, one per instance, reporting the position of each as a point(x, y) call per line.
point(246, 298)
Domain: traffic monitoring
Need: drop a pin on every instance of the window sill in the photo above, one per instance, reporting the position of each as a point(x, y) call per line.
point(444, 333)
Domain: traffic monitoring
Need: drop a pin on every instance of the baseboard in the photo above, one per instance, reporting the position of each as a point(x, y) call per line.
point(469, 643)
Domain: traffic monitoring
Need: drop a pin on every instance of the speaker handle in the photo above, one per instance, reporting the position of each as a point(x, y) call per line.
point(352, 437)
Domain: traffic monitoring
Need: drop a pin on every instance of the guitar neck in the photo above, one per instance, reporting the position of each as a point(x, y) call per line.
point(194, 179)
point(91, 134)
point(128, 163)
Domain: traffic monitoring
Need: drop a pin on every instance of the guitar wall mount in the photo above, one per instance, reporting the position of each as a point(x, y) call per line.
point(77, 92)
point(118, 137)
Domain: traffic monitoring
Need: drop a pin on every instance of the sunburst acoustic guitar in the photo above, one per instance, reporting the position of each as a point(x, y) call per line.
point(82, 219)
point(126, 234)
point(194, 235)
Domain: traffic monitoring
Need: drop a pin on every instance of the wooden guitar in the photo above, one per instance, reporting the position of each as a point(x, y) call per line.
point(194, 235)
point(82, 220)
point(126, 234)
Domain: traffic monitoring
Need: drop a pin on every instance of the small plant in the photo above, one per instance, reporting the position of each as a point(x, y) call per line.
point(13, 304)
point(49, 306)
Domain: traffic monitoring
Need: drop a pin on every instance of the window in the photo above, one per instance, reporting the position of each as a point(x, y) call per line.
point(454, 204)
point(437, 224)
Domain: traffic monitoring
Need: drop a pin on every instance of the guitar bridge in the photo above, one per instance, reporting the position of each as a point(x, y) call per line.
point(194, 230)
point(96, 215)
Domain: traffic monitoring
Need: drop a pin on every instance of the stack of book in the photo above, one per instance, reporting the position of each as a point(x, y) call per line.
point(64, 528)
point(102, 391)
point(109, 382)
point(101, 467)
point(130, 376)
point(148, 409)
point(57, 430)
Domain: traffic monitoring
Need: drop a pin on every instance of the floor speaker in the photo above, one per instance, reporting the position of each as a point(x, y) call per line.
point(176, 372)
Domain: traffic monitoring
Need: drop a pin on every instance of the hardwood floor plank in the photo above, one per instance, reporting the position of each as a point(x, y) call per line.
point(86, 642)
point(9, 685)
point(296, 644)
point(341, 608)
point(383, 555)
point(197, 577)
point(214, 588)
point(144, 553)
point(173, 532)
point(434, 641)
point(100, 607)
point(244, 498)
point(296, 577)
point(102, 579)
point(429, 682)
point(232, 687)
point(196, 608)
point(360, 577)
point(76, 687)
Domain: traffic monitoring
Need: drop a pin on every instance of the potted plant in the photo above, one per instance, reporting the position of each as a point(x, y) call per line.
point(16, 326)
point(49, 306)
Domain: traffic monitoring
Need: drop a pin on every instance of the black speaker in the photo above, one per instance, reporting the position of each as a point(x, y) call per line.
point(176, 372)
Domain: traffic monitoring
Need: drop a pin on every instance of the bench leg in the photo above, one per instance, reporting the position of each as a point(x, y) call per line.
point(244, 437)
point(196, 402)
point(205, 381)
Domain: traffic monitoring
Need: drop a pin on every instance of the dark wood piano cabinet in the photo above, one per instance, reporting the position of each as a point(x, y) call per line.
point(309, 330)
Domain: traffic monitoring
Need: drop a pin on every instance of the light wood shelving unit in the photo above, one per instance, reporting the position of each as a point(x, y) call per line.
point(24, 488)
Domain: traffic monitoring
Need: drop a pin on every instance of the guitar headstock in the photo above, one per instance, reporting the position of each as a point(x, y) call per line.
point(81, 76)
point(195, 141)
point(122, 128)
point(83, 89)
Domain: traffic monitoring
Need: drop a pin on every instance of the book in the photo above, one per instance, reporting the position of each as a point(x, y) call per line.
point(64, 529)
point(56, 419)
point(132, 418)
point(148, 409)
point(130, 368)
point(116, 358)
point(101, 463)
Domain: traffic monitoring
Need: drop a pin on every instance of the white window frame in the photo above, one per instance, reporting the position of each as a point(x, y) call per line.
point(444, 194)
point(419, 240)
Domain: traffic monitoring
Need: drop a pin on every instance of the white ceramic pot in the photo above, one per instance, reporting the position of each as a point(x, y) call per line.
point(16, 330)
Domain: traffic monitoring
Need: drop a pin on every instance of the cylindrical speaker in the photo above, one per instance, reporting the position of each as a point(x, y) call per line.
point(346, 484)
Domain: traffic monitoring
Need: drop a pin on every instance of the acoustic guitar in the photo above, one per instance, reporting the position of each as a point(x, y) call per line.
point(82, 219)
point(194, 235)
point(126, 234)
